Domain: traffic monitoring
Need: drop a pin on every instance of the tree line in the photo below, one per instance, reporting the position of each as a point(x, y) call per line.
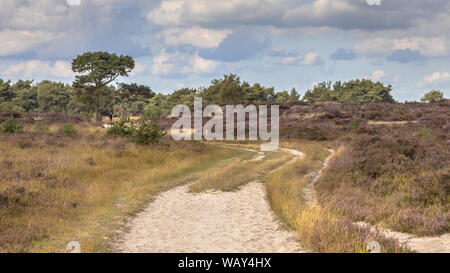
point(94, 92)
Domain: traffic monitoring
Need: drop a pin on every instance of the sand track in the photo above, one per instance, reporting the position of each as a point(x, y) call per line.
point(179, 221)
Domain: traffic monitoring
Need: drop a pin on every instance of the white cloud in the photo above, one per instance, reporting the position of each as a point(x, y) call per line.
point(33, 68)
point(185, 12)
point(138, 69)
point(164, 63)
point(435, 78)
point(309, 59)
point(14, 42)
point(196, 36)
point(376, 76)
point(176, 63)
point(199, 65)
point(312, 59)
point(168, 13)
point(437, 46)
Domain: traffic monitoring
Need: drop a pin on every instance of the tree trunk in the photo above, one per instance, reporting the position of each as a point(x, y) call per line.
point(96, 112)
point(97, 103)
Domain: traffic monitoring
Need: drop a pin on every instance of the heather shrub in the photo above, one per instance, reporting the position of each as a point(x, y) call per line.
point(394, 176)
point(12, 126)
point(68, 129)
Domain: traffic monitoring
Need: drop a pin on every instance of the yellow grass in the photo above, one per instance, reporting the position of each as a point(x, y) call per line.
point(319, 229)
point(60, 189)
point(239, 172)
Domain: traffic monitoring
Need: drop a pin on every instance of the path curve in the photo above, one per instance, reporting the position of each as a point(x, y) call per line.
point(235, 222)
point(437, 244)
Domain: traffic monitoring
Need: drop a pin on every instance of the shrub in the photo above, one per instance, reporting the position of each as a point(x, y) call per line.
point(354, 125)
point(147, 132)
point(12, 126)
point(424, 132)
point(68, 129)
point(143, 132)
point(40, 127)
point(123, 128)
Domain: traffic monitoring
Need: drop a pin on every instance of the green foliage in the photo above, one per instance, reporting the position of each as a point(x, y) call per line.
point(53, 96)
point(124, 128)
point(40, 127)
point(142, 132)
point(25, 95)
point(96, 70)
point(433, 96)
point(351, 91)
point(132, 98)
point(11, 106)
point(425, 132)
point(354, 125)
point(6, 92)
point(147, 132)
point(68, 129)
point(12, 126)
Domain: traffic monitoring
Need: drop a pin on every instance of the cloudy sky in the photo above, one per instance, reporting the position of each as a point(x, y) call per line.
point(280, 43)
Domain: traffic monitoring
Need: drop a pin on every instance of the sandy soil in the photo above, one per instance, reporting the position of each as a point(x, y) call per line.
point(178, 221)
point(308, 192)
point(437, 244)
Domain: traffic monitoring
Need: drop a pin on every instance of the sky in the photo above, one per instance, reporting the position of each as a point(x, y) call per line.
point(279, 43)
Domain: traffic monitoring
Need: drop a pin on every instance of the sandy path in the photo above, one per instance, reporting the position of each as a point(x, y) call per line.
point(308, 192)
point(178, 221)
point(438, 244)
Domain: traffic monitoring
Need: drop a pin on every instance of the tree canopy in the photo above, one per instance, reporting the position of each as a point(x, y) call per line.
point(96, 70)
point(352, 91)
point(433, 96)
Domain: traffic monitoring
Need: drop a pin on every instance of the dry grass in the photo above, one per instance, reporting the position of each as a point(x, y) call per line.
point(55, 189)
point(319, 229)
point(240, 172)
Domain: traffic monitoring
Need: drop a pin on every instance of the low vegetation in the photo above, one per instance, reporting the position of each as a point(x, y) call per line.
point(56, 188)
point(240, 172)
point(319, 228)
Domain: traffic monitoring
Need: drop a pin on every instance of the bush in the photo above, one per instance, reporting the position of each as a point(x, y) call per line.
point(141, 132)
point(40, 127)
point(354, 125)
point(12, 126)
point(68, 129)
point(147, 132)
point(123, 128)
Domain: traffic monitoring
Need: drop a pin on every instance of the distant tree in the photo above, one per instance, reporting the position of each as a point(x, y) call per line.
point(6, 92)
point(282, 96)
point(230, 90)
point(155, 108)
point(320, 92)
point(53, 96)
point(257, 92)
point(433, 96)
point(25, 95)
point(362, 91)
point(294, 96)
point(96, 71)
point(351, 91)
point(132, 98)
